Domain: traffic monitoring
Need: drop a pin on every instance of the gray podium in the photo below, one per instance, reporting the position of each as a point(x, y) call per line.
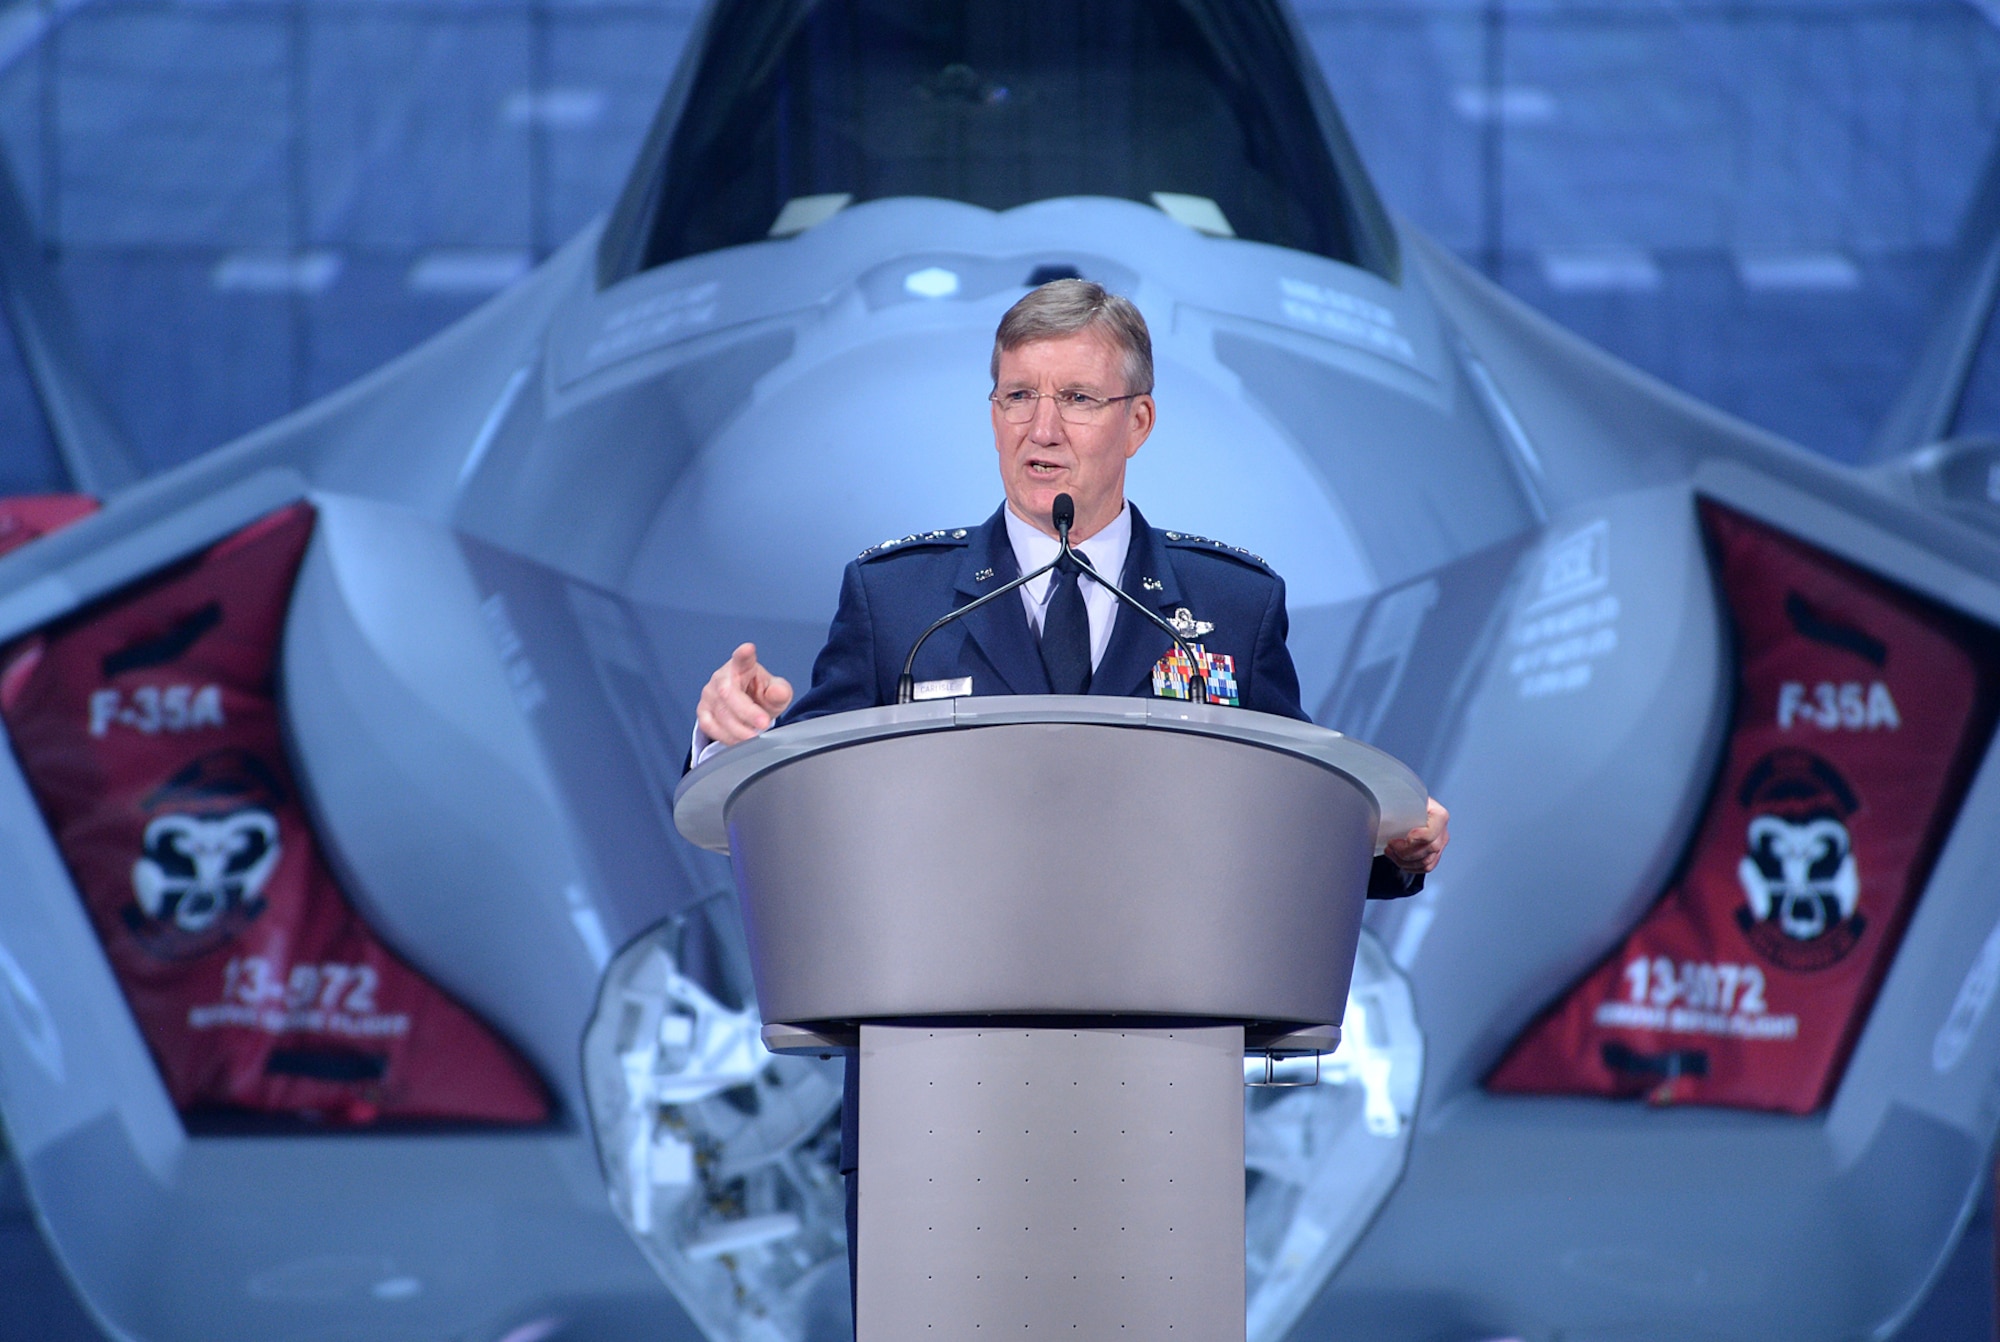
point(1051, 926)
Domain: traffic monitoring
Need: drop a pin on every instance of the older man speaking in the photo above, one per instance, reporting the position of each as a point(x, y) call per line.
point(1072, 403)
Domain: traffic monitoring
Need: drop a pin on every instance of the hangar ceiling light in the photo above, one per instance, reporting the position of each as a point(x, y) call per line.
point(277, 272)
point(1823, 271)
point(467, 270)
point(1601, 270)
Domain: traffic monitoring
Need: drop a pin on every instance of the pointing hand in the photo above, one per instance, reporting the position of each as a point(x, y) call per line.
point(741, 699)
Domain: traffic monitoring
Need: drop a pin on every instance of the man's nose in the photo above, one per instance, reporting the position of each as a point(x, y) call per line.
point(1047, 426)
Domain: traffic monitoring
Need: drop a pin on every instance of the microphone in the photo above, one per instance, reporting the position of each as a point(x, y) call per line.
point(1064, 517)
point(906, 685)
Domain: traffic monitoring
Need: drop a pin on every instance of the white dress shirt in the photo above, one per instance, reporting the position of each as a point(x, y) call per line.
point(1032, 549)
point(1106, 553)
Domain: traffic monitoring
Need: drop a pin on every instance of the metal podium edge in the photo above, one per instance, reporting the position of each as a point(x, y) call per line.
point(702, 800)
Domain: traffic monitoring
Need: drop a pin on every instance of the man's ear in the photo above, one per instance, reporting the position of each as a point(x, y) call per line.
point(1143, 412)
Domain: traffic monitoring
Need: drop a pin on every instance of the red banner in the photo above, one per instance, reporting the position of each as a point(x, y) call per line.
point(148, 727)
point(1861, 711)
point(24, 517)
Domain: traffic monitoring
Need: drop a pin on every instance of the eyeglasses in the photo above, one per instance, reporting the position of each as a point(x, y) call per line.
point(1076, 407)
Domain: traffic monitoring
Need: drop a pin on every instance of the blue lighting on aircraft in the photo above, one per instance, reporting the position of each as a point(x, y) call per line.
point(931, 282)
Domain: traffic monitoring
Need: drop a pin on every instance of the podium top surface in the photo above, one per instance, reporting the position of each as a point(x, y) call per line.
point(701, 802)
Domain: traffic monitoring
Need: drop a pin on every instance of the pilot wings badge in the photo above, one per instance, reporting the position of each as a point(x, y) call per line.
point(1187, 626)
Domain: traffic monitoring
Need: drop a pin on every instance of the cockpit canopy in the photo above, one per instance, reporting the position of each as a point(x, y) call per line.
point(791, 110)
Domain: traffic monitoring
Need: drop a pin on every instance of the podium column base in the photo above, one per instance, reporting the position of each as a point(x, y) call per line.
point(1082, 1182)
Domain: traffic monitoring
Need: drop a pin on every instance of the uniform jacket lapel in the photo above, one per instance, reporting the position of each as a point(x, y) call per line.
point(1127, 665)
point(1000, 630)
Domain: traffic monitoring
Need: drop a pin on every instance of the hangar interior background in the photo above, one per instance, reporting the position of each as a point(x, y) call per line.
point(252, 202)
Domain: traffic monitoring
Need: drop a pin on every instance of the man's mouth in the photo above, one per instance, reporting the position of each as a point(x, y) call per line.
point(1044, 469)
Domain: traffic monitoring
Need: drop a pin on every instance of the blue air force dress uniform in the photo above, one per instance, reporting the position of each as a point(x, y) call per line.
point(1224, 600)
point(1228, 597)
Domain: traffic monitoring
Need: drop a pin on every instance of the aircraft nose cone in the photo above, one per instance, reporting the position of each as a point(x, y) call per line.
point(891, 435)
point(883, 437)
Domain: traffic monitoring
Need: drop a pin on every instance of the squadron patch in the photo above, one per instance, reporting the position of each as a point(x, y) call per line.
point(942, 536)
point(1801, 885)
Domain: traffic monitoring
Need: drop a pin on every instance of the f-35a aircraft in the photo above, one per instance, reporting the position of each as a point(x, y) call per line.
point(355, 985)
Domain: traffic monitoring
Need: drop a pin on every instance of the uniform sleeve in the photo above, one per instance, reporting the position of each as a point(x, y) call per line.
point(1386, 880)
point(1274, 682)
point(1274, 688)
point(844, 673)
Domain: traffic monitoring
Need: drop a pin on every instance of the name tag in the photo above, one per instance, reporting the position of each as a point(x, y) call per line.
point(943, 689)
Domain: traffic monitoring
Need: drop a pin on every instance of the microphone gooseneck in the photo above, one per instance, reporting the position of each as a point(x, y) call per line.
point(1063, 516)
point(906, 685)
point(1197, 678)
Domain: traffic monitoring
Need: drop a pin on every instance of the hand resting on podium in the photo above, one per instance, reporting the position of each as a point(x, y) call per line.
point(743, 698)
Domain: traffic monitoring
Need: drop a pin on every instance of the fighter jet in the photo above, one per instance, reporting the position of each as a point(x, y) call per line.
point(354, 982)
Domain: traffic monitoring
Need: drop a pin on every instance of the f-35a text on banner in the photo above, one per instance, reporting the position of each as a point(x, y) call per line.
point(148, 728)
point(1861, 711)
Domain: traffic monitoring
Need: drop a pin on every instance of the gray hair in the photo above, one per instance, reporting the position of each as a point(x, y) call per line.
point(1063, 308)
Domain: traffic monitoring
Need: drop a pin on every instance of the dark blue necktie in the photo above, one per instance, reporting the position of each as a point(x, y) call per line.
point(1066, 632)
